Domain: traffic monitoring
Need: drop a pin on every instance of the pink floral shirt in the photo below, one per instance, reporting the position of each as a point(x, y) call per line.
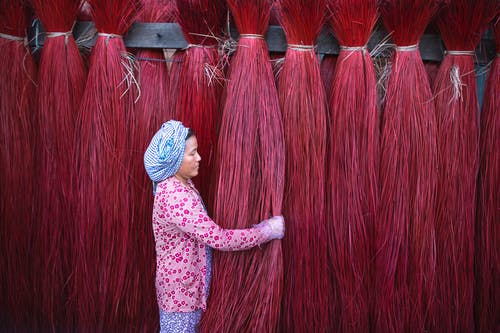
point(182, 229)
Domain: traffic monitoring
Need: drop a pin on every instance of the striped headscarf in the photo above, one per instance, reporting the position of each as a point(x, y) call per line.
point(164, 155)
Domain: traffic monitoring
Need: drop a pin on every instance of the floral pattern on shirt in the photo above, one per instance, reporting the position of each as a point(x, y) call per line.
point(182, 229)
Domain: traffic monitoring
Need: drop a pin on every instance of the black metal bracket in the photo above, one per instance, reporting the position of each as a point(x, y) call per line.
point(169, 36)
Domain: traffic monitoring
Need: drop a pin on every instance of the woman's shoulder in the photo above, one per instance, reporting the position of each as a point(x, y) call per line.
point(172, 189)
point(171, 185)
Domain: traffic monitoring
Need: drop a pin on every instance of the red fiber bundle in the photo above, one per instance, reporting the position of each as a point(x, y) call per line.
point(62, 75)
point(404, 229)
point(354, 159)
point(327, 67)
point(175, 72)
point(109, 289)
point(303, 103)
point(201, 79)
point(487, 227)
point(84, 14)
point(246, 286)
point(16, 170)
point(461, 23)
point(277, 59)
point(274, 15)
point(432, 68)
point(151, 110)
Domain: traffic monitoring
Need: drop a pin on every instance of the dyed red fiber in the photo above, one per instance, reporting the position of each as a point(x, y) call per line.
point(175, 73)
point(274, 15)
point(84, 14)
point(354, 159)
point(246, 286)
point(151, 110)
point(201, 79)
point(109, 287)
point(175, 66)
point(303, 104)
point(404, 228)
point(327, 68)
point(432, 68)
point(62, 76)
point(487, 228)
point(461, 23)
point(277, 59)
point(17, 89)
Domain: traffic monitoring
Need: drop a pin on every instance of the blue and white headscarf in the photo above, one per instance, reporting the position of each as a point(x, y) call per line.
point(164, 155)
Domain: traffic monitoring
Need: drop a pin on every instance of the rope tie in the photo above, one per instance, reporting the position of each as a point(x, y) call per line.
point(109, 36)
point(12, 37)
point(353, 48)
point(200, 46)
point(407, 48)
point(300, 47)
point(252, 36)
point(460, 53)
point(59, 34)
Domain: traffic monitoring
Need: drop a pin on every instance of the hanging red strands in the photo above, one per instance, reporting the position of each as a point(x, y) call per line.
point(432, 68)
point(108, 289)
point(487, 256)
point(461, 23)
point(17, 89)
point(246, 286)
point(277, 58)
point(304, 108)
point(62, 76)
point(84, 14)
point(327, 67)
point(151, 111)
point(354, 159)
point(404, 229)
point(174, 77)
point(175, 69)
point(201, 79)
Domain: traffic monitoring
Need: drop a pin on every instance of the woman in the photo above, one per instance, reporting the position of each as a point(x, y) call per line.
point(184, 234)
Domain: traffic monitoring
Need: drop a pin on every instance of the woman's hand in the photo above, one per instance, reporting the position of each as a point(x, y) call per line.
point(274, 227)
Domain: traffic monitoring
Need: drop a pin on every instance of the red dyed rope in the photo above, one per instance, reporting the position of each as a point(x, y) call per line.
point(461, 24)
point(17, 170)
point(246, 286)
point(109, 290)
point(404, 227)
point(62, 76)
point(354, 160)
point(487, 263)
point(201, 80)
point(303, 102)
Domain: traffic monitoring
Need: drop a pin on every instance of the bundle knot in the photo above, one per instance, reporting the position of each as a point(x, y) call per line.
point(252, 36)
point(109, 36)
point(14, 38)
point(460, 52)
point(301, 47)
point(59, 34)
point(407, 48)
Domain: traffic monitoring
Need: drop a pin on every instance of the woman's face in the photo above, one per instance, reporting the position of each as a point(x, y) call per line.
point(191, 161)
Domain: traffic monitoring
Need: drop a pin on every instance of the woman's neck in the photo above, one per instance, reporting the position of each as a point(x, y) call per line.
point(182, 179)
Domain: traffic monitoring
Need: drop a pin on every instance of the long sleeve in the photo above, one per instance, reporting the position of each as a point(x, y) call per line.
point(183, 208)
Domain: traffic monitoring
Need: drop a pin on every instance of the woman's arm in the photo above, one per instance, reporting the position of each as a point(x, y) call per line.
point(187, 213)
